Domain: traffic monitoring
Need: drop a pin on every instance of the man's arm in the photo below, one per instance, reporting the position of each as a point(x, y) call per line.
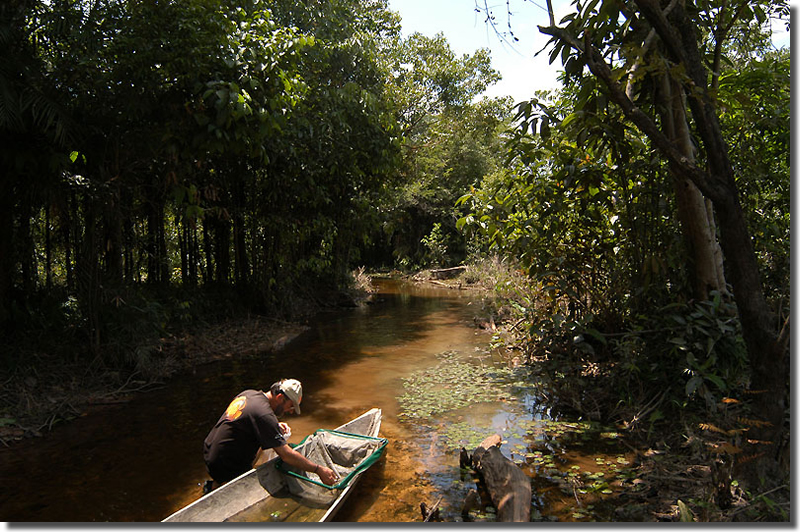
point(293, 458)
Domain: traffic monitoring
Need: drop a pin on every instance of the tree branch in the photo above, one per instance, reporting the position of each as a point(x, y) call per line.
point(602, 71)
point(648, 42)
point(783, 337)
point(679, 38)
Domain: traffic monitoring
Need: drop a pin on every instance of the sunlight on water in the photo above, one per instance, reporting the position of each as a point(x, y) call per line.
point(142, 461)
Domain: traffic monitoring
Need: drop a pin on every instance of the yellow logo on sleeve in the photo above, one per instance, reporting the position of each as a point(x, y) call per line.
point(235, 408)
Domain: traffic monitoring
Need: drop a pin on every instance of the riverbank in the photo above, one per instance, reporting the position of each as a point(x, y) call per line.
point(138, 461)
point(55, 380)
point(54, 390)
point(677, 468)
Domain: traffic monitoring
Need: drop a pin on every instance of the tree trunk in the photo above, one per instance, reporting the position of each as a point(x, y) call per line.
point(151, 249)
point(241, 260)
point(242, 264)
point(129, 268)
point(194, 254)
point(767, 349)
point(69, 214)
point(112, 248)
point(694, 212)
point(157, 263)
point(88, 275)
point(27, 255)
point(48, 251)
point(163, 258)
point(6, 247)
point(208, 251)
point(222, 236)
point(183, 248)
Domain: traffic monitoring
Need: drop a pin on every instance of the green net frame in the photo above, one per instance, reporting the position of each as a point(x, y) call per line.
point(368, 461)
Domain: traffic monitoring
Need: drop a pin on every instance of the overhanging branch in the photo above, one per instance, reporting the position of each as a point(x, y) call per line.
point(598, 67)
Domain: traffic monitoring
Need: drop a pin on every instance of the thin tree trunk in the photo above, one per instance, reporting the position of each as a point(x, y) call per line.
point(157, 264)
point(48, 252)
point(163, 258)
point(113, 236)
point(6, 247)
point(193, 253)
point(88, 274)
point(69, 238)
point(242, 263)
point(27, 255)
point(151, 247)
point(694, 211)
point(208, 252)
point(183, 247)
point(222, 247)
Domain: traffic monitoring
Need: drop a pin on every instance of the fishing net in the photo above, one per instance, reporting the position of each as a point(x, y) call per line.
point(347, 454)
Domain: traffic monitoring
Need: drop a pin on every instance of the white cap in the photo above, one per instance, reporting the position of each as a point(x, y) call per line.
point(292, 389)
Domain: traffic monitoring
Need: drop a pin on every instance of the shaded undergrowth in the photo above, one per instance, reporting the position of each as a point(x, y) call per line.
point(53, 368)
point(670, 388)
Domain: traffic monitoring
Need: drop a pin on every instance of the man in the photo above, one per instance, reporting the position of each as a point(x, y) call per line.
point(250, 425)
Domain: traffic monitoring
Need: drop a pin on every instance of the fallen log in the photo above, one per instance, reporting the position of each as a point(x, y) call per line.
point(508, 488)
point(447, 273)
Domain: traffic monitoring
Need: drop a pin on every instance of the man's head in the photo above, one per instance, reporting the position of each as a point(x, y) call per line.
point(287, 394)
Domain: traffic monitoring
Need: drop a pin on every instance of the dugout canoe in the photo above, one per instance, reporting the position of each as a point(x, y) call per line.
point(253, 495)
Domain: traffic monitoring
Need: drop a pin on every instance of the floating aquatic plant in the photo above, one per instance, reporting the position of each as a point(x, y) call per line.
point(452, 384)
point(462, 434)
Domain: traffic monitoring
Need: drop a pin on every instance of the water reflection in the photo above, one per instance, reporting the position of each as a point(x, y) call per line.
point(141, 461)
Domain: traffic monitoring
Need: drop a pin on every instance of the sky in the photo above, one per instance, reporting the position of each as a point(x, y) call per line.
point(466, 31)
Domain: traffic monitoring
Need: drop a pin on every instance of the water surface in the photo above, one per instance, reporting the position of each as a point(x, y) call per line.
point(142, 460)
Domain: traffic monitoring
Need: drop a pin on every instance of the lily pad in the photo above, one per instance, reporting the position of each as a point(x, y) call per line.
point(450, 385)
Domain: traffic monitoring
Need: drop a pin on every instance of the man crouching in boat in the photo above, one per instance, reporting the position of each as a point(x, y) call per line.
point(250, 425)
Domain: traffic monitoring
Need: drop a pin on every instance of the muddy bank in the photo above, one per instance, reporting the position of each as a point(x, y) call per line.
point(53, 391)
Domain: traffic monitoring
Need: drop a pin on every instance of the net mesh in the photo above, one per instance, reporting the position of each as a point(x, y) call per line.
point(347, 454)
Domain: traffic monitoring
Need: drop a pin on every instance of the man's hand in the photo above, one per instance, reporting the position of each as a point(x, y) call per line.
point(293, 458)
point(284, 428)
point(327, 476)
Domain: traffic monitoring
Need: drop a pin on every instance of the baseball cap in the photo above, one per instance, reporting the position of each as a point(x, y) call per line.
point(292, 389)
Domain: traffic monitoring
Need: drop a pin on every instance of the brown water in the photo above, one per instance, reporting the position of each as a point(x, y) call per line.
point(142, 461)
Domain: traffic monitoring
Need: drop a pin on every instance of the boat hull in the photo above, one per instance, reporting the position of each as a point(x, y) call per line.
point(255, 496)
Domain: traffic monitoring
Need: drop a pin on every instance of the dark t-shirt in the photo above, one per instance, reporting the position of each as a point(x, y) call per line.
point(247, 424)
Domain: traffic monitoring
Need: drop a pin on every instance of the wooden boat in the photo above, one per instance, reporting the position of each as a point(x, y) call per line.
point(258, 495)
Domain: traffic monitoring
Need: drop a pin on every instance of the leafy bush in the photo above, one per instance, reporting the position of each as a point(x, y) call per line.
point(436, 245)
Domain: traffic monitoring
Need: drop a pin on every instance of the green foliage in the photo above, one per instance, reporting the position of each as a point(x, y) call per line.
point(450, 142)
point(694, 348)
point(436, 243)
point(755, 114)
point(190, 144)
point(589, 223)
point(586, 205)
point(709, 336)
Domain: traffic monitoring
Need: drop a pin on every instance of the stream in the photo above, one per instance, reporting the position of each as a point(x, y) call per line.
point(414, 352)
